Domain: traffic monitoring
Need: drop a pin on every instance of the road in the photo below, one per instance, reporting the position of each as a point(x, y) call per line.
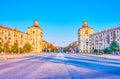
point(62, 66)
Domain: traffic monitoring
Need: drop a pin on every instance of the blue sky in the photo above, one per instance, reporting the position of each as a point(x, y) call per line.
point(60, 19)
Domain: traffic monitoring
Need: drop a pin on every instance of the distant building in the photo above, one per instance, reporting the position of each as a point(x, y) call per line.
point(74, 46)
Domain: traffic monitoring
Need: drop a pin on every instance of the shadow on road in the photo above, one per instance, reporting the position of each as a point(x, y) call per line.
point(93, 66)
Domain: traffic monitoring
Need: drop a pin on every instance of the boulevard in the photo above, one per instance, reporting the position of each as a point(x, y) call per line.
point(60, 39)
point(60, 66)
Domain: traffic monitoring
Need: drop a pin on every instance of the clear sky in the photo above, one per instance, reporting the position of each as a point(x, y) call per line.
point(60, 19)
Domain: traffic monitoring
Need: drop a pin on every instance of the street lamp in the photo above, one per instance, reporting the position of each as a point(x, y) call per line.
point(53, 47)
point(18, 44)
point(18, 40)
point(5, 46)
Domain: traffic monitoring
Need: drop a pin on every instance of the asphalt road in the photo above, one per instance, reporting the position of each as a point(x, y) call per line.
point(60, 66)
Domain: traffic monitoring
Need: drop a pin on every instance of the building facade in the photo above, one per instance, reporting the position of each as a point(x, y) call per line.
point(89, 41)
point(14, 36)
point(74, 45)
point(103, 39)
point(35, 37)
point(83, 37)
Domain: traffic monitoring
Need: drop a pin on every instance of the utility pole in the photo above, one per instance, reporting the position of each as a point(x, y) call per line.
point(5, 40)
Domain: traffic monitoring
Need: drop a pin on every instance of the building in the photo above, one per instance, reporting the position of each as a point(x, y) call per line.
point(103, 39)
point(35, 37)
point(74, 45)
point(89, 41)
point(14, 36)
point(83, 37)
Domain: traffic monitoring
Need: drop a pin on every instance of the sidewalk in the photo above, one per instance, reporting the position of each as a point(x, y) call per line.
point(14, 56)
point(109, 56)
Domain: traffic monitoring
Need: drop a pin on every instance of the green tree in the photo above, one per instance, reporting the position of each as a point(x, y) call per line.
point(95, 50)
point(107, 50)
point(27, 47)
point(114, 45)
point(67, 48)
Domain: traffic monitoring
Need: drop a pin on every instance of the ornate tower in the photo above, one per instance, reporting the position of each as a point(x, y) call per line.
point(83, 37)
point(85, 24)
point(35, 37)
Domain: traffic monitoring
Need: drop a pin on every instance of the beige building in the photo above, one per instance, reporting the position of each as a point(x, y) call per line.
point(35, 37)
point(13, 36)
point(83, 37)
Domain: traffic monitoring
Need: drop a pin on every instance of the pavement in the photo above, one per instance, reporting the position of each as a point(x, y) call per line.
point(14, 56)
point(60, 66)
point(108, 56)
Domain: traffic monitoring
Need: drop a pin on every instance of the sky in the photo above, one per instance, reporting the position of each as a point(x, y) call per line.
point(60, 19)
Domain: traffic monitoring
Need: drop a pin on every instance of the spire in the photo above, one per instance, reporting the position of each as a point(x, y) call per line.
point(35, 23)
point(85, 23)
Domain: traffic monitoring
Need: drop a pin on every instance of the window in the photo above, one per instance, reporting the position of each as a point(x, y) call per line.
point(114, 35)
point(86, 32)
point(33, 31)
point(111, 33)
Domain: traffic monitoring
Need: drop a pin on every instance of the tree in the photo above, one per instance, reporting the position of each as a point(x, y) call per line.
point(107, 50)
point(27, 47)
point(1, 47)
point(114, 45)
point(67, 48)
point(95, 50)
point(21, 50)
point(55, 49)
point(7, 47)
point(14, 48)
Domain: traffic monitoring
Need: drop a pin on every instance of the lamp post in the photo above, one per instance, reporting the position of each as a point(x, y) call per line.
point(53, 47)
point(18, 41)
point(5, 46)
point(18, 44)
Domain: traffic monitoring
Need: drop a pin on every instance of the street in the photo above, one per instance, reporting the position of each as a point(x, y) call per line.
point(60, 66)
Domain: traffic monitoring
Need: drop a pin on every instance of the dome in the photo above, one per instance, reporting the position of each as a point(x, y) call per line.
point(35, 23)
point(85, 23)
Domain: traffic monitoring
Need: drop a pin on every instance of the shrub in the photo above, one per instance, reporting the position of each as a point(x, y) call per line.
point(107, 50)
point(95, 50)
